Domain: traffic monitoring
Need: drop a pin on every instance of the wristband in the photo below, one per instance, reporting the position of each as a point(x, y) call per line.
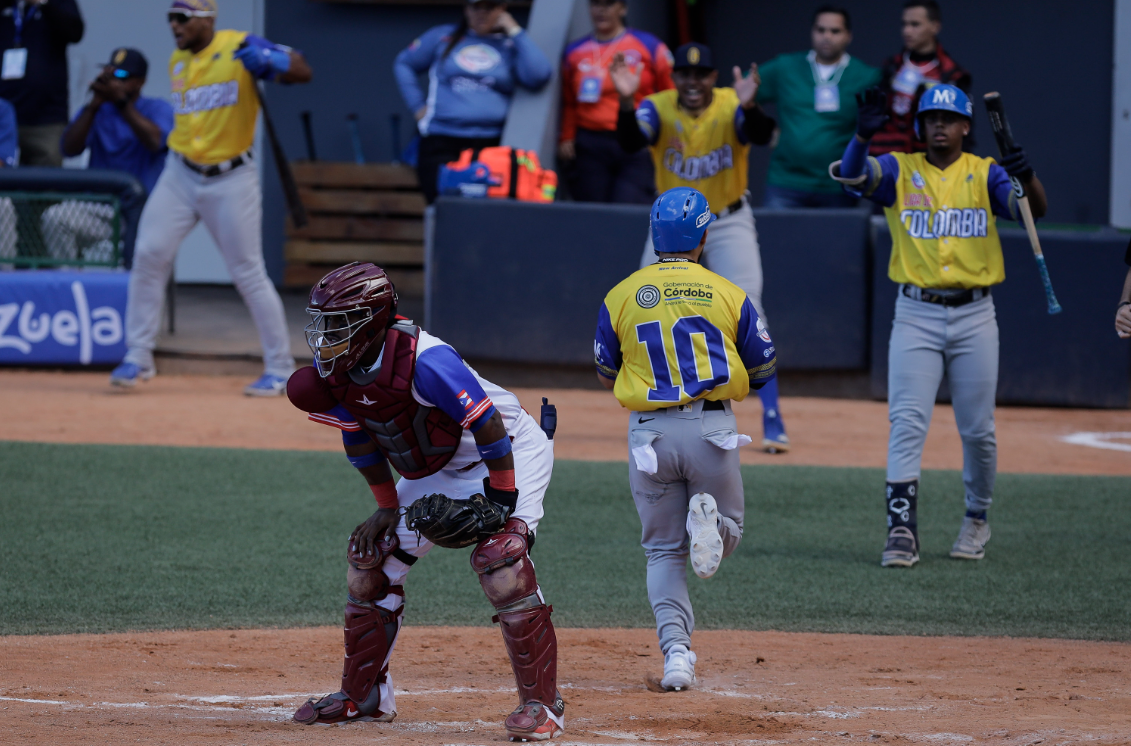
point(501, 479)
point(498, 449)
point(369, 459)
point(386, 494)
point(506, 498)
point(1124, 303)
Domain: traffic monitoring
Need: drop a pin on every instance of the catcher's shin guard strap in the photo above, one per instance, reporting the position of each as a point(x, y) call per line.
point(369, 632)
point(533, 649)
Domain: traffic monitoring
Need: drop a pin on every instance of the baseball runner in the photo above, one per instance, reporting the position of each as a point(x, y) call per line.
point(209, 177)
point(700, 137)
point(676, 343)
point(474, 466)
point(940, 207)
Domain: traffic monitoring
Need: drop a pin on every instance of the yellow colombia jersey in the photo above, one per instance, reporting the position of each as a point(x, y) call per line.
point(701, 152)
point(674, 332)
point(213, 100)
point(944, 233)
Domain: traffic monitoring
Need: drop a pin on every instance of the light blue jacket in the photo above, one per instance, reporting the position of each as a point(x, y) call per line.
point(470, 89)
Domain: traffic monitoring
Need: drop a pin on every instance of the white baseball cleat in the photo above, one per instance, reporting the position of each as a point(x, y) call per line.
point(972, 538)
point(703, 528)
point(679, 669)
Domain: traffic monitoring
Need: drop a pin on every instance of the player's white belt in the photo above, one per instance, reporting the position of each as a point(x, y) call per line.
point(215, 169)
point(949, 298)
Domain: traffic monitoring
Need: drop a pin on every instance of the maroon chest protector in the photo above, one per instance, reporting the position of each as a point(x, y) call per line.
point(417, 440)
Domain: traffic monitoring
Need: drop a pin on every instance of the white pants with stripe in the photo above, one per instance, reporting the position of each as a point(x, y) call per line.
point(231, 208)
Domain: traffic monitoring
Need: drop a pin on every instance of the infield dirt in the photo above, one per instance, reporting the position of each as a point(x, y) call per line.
point(241, 686)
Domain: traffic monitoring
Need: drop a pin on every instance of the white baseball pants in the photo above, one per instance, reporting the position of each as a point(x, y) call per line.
point(231, 207)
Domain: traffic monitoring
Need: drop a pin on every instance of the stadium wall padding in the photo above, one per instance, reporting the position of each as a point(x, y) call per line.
point(520, 282)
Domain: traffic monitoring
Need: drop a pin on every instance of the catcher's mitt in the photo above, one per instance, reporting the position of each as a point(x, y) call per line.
point(455, 523)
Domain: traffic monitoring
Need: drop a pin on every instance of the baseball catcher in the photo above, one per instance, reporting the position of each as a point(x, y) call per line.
point(474, 466)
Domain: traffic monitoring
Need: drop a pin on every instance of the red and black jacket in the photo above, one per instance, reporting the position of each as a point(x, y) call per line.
point(898, 135)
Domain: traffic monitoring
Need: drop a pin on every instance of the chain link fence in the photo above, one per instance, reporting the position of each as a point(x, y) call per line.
point(53, 229)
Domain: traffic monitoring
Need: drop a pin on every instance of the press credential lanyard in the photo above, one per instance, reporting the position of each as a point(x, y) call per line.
point(15, 60)
point(826, 93)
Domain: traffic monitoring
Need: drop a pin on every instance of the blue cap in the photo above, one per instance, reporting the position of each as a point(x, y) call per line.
point(680, 217)
point(943, 97)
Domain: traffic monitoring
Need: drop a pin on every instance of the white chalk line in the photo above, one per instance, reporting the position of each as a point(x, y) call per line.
point(1100, 440)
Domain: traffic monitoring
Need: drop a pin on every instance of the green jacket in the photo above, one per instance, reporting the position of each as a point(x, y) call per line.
point(810, 140)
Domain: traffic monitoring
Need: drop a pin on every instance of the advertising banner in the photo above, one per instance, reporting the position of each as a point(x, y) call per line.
point(64, 318)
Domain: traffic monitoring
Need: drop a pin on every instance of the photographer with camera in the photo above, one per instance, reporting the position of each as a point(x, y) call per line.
point(124, 131)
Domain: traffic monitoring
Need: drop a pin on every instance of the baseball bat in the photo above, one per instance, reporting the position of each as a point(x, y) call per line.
point(355, 137)
point(286, 176)
point(1005, 144)
point(308, 133)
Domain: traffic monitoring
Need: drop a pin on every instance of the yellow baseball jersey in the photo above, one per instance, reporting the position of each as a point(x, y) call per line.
point(942, 222)
point(675, 332)
point(213, 100)
point(706, 152)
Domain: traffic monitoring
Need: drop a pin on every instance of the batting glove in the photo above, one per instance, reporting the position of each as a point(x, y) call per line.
point(1016, 164)
point(871, 112)
point(264, 62)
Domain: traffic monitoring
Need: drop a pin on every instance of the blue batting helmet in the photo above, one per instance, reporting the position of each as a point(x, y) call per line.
point(680, 217)
point(943, 97)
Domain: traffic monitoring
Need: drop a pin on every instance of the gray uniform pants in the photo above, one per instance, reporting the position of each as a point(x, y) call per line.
point(926, 340)
point(231, 207)
point(688, 461)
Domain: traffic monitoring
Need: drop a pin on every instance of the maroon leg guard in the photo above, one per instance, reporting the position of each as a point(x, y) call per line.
point(369, 635)
point(507, 576)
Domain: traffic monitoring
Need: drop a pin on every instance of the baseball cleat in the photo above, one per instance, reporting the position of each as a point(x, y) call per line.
point(127, 375)
point(337, 708)
point(679, 669)
point(774, 439)
point(972, 538)
point(535, 721)
point(703, 529)
point(266, 385)
point(902, 549)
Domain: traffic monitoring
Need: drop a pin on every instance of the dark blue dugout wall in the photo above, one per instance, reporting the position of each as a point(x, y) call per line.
point(519, 282)
point(1052, 62)
point(1071, 359)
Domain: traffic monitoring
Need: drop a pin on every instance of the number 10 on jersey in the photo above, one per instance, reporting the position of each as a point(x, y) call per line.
point(687, 357)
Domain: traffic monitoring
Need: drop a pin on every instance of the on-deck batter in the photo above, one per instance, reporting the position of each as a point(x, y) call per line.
point(700, 137)
point(209, 177)
point(677, 343)
point(940, 207)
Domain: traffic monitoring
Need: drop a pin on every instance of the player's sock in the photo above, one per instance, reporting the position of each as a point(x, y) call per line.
point(769, 396)
point(978, 515)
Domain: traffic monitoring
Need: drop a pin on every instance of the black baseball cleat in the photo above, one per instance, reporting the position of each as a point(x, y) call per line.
point(902, 549)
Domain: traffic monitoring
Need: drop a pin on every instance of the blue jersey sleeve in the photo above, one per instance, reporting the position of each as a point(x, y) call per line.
point(442, 378)
point(755, 347)
point(648, 119)
point(415, 59)
point(879, 180)
point(1003, 200)
point(606, 345)
point(739, 128)
point(8, 133)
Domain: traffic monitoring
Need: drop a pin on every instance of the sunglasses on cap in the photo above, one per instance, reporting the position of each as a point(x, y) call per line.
point(121, 74)
point(184, 16)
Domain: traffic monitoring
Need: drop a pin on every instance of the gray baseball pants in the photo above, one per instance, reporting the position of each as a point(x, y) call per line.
point(688, 461)
point(231, 206)
point(926, 340)
point(731, 251)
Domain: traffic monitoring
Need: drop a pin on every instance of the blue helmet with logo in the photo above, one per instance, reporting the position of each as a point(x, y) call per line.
point(680, 217)
point(943, 97)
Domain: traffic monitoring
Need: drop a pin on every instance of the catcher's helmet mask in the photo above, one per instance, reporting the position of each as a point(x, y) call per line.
point(348, 308)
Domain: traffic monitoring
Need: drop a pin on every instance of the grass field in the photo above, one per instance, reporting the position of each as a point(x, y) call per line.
point(103, 538)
